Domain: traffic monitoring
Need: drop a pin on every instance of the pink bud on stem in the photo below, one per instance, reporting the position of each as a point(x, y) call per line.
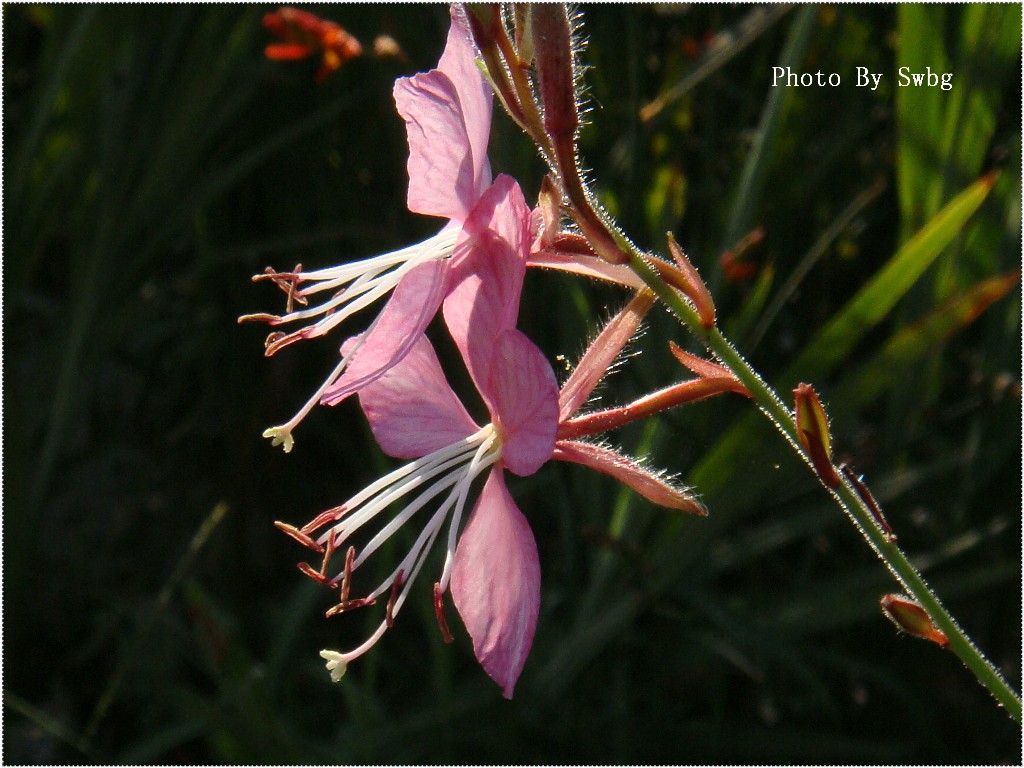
point(692, 286)
point(549, 25)
point(813, 432)
point(911, 618)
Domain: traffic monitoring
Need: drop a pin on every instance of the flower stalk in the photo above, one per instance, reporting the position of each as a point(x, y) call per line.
point(846, 495)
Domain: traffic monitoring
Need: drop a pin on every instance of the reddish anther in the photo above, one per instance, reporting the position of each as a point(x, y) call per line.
point(300, 536)
point(286, 281)
point(439, 610)
point(346, 575)
point(328, 554)
point(389, 614)
point(261, 317)
point(348, 605)
point(277, 341)
point(332, 515)
point(314, 574)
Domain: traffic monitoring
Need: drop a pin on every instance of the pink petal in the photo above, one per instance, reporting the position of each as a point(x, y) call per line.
point(496, 583)
point(628, 472)
point(406, 315)
point(475, 95)
point(524, 395)
point(411, 408)
point(488, 277)
point(442, 170)
point(502, 210)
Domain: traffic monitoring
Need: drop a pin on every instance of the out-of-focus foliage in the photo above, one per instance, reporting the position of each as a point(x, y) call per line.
point(154, 160)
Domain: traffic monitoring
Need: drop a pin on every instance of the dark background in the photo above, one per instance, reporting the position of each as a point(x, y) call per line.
point(154, 160)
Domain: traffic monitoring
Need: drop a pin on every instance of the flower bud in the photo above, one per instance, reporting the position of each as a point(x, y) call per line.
point(911, 618)
point(692, 285)
point(553, 52)
point(813, 432)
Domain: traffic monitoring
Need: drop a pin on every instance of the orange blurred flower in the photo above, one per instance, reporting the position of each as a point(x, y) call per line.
point(306, 35)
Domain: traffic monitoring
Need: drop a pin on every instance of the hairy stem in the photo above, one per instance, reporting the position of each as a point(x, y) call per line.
point(846, 497)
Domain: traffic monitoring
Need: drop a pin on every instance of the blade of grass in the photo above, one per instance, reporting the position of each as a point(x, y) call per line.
point(198, 541)
point(751, 183)
point(46, 103)
point(880, 294)
point(788, 288)
point(727, 45)
point(915, 342)
point(48, 724)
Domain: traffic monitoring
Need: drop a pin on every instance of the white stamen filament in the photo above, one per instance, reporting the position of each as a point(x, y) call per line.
point(332, 277)
point(485, 449)
point(466, 445)
point(453, 528)
point(367, 280)
point(282, 433)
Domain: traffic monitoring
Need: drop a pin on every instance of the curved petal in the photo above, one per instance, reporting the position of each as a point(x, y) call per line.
point(475, 95)
point(442, 170)
point(406, 315)
point(496, 583)
point(411, 408)
point(487, 278)
point(502, 210)
point(524, 393)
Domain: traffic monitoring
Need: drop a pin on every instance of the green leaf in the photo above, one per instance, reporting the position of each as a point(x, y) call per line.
point(876, 299)
point(913, 343)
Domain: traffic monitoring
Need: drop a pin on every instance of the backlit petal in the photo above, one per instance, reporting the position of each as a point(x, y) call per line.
point(487, 279)
point(412, 305)
point(411, 408)
point(442, 172)
point(524, 393)
point(496, 583)
point(502, 210)
point(475, 95)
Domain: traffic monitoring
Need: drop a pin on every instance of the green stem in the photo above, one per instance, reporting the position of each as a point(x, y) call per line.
point(845, 496)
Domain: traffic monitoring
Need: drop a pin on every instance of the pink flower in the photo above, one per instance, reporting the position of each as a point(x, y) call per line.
point(492, 568)
point(448, 118)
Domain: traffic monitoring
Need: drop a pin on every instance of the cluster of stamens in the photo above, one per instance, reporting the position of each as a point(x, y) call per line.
point(451, 471)
point(355, 286)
